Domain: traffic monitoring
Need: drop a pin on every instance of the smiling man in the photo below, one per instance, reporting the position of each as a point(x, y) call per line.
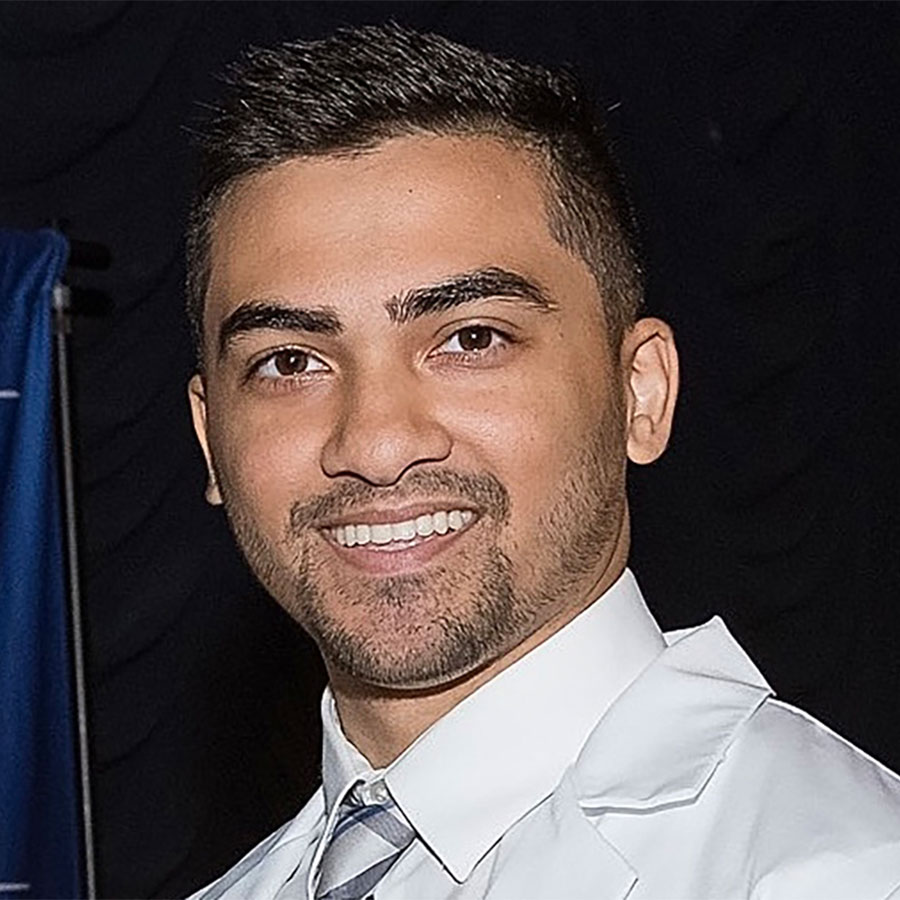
point(422, 372)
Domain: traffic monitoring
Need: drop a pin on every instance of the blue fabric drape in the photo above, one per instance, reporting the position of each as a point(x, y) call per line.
point(39, 827)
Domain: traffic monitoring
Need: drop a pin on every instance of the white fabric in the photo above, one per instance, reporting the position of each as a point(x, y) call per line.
point(609, 762)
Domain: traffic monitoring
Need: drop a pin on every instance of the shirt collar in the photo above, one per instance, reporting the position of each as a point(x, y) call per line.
point(342, 763)
point(503, 749)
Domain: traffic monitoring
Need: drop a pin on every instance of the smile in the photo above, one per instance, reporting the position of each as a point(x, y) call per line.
point(400, 535)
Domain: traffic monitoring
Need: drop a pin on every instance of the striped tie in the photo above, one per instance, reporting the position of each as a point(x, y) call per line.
point(366, 842)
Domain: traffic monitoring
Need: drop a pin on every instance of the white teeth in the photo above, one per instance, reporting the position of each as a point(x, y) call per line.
point(422, 526)
point(425, 525)
point(403, 531)
point(381, 534)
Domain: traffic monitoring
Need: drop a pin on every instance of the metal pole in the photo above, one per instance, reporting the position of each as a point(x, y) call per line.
point(61, 301)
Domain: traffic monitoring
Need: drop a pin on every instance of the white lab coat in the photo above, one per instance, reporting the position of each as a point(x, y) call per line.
point(698, 785)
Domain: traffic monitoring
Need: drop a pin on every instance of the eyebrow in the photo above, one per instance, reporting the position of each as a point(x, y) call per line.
point(480, 284)
point(467, 287)
point(257, 315)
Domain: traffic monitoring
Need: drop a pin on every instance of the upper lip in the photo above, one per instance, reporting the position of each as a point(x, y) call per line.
point(392, 514)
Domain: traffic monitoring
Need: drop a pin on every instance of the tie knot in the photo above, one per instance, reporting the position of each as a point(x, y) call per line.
point(367, 840)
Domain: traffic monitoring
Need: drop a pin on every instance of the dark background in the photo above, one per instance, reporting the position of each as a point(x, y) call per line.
point(761, 143)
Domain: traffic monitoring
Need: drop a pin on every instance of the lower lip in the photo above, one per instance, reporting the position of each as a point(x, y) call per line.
point(393, 559)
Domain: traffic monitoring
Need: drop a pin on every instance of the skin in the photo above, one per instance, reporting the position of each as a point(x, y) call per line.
point(390, 417)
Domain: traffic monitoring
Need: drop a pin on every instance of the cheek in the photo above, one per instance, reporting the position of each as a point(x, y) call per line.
point(268, 459)
point(525, 432)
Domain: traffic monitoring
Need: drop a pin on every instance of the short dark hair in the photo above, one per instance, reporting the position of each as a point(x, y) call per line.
point(352, 91)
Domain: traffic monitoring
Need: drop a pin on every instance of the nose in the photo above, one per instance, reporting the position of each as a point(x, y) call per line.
point(386, 425)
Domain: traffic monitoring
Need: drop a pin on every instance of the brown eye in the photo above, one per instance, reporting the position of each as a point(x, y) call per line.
point(290, 362)
point(474, 345)
point(477, 337)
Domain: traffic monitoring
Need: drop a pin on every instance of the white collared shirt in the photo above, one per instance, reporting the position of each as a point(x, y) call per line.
point(610, 761)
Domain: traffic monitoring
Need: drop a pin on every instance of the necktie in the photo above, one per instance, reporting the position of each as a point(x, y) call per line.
point(366, 842)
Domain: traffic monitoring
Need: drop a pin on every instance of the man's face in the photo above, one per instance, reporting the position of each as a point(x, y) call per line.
point(409, 405)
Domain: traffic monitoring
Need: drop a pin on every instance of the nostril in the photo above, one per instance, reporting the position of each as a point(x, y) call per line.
point(381, 448)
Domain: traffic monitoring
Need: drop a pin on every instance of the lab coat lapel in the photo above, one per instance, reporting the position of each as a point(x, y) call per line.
point(663, 738)
point(559, 854)
point(273, 861)
point(658, 744)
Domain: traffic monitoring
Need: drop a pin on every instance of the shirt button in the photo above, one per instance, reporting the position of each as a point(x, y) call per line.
point(380, 793)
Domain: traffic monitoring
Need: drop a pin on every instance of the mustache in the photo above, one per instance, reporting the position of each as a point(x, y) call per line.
point(484, 490)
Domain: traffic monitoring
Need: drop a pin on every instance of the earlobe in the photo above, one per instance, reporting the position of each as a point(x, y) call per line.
point(197, 398)
point(213, 497)
point(650, 362)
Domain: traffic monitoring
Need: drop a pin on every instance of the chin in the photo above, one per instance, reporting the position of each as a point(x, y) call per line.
point(424, 662)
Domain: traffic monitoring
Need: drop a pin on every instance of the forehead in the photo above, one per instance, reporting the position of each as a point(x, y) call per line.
point(411, 211)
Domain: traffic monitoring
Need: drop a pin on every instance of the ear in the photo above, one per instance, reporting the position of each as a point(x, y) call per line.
point(650, 368)
point(197, 398)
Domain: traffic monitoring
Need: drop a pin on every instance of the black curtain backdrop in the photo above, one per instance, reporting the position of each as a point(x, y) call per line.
point(760, 140)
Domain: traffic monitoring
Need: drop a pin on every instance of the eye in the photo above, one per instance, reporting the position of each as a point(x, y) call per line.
point(288, 363)
point(473, 339)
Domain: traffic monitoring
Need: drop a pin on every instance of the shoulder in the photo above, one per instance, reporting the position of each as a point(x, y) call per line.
point(814, 817)
point(825, 814)
point(271, 862)
point(800, 730)
point(806, 765)
point(813, 775)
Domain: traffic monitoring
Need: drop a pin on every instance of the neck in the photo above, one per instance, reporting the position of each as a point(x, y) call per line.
point(382, 722)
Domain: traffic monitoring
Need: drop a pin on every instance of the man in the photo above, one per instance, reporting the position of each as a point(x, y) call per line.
point(422, 371)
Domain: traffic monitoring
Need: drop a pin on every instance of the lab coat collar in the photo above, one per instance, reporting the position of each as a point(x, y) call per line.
point(664, 737)
point(657, 745)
